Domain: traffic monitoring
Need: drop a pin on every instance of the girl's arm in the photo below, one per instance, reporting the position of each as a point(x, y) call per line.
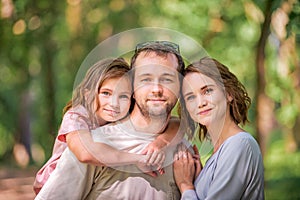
point(171, 136)
point(155, 150)
point(86, 150)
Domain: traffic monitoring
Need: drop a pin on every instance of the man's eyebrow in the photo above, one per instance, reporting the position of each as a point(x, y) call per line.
point(169, 74)
point(144, 74)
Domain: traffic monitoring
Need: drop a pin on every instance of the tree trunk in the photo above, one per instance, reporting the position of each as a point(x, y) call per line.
point(264, 105)
point(22, 148)
point(49, 91)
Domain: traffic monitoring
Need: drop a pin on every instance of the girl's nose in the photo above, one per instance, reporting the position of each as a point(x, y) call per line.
point(114, 101)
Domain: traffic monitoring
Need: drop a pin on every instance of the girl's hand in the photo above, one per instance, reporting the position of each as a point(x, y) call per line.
point(146, 169)
point(184, 169)
point(155, 156)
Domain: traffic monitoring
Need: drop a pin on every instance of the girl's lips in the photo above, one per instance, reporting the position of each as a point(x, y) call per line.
point(112, 112)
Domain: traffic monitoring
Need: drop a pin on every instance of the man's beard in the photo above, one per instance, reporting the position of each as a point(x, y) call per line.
point(154, 113)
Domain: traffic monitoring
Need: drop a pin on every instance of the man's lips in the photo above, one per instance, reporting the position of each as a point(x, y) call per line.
point(156, 100)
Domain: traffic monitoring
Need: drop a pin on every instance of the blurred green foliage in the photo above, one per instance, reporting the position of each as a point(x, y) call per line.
point(42, 45)
point(282, 173)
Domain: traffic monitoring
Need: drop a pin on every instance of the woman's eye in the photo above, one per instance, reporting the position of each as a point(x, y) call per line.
point(208, 91)
point(190, 98)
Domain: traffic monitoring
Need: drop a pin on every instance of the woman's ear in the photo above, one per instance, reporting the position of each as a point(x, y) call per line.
point(229, 98)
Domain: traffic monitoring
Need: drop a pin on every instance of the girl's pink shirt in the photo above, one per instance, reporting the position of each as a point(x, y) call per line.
point(74, 119)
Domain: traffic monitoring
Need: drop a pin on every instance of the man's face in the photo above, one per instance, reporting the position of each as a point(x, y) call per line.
point(156, 84)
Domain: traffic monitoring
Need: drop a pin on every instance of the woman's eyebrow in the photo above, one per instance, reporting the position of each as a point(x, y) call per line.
point(202, 88)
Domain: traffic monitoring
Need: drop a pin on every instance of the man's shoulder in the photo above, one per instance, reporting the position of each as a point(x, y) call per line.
point(112, 126)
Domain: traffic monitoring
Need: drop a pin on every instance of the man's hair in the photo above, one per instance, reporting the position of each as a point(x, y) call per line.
point(160, 48)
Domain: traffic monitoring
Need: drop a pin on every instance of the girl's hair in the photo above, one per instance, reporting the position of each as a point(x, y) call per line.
point(86, 93)
point(228, 82)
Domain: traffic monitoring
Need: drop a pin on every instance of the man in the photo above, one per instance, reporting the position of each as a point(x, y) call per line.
point(156, 88)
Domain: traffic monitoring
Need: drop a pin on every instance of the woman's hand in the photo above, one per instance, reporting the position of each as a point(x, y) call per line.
point(184, 169)
point(198, 164)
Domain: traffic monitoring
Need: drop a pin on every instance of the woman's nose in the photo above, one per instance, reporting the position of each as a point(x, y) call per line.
point(202, 101)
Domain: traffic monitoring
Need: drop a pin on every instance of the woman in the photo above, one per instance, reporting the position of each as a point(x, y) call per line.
point(218, 103)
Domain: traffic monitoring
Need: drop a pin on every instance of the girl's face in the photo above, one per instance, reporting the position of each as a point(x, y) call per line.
point(114, 98)
point(204, 99)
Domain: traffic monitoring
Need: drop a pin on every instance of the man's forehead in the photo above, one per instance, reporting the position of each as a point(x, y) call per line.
point(150, 61)
point(151, 57)
point(155, 69)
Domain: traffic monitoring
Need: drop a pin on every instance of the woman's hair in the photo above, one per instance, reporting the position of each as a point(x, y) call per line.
point(228, 82)
point(86, 93)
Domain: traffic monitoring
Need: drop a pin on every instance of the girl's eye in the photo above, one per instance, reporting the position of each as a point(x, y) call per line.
point(105, 93)
point(124, 97)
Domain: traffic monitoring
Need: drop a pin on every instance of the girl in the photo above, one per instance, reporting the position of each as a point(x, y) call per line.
point(218, 103)
point(103, 96)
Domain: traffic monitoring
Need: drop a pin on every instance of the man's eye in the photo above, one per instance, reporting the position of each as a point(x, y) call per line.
point(166, 80)
point(146, 80)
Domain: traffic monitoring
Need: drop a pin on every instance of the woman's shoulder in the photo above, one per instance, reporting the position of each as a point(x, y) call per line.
point(243, 142)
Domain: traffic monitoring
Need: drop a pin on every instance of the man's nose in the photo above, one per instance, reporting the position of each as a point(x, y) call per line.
point(157, 87)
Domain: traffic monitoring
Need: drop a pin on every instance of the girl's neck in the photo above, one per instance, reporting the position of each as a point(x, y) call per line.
point(101, 121)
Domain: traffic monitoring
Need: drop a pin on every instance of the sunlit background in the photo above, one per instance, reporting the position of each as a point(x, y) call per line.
point(43, 43)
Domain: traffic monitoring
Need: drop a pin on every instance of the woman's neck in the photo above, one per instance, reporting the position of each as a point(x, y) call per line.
point(219, 136)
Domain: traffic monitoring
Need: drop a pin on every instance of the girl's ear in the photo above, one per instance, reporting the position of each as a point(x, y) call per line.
point(86, 94)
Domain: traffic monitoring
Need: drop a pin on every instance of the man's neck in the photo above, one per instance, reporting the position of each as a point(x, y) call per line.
point(149, 124)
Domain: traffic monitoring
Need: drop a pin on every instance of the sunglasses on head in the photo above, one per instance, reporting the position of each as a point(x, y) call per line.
point(159, 45)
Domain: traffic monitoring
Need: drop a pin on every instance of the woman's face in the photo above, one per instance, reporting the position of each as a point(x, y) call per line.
point(114, 97)
point(204, 99)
